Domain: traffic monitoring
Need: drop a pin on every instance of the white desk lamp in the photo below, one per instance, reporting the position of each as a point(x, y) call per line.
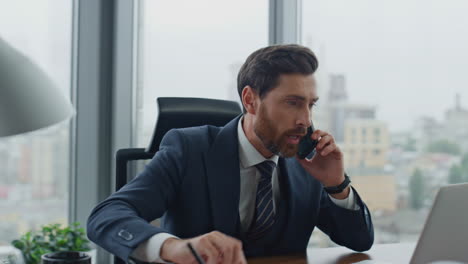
point(29, 100)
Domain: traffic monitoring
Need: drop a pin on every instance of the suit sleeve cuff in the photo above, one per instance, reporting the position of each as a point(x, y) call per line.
point(349, 203)
point(150, 250)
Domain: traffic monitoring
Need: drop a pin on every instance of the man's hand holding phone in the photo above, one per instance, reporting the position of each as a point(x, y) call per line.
point(327, 164)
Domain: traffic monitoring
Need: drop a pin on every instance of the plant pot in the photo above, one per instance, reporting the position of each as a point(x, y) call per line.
point(66, 257)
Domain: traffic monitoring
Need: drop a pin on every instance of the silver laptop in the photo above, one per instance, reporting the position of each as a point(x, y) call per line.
point(444, 238)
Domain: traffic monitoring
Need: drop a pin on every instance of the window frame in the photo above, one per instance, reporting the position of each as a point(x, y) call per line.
point(105, 45)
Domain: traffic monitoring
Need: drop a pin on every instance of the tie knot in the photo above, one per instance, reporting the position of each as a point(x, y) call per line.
point(266, 168)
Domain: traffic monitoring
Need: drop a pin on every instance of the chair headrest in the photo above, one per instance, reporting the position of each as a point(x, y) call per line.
point(181, 112)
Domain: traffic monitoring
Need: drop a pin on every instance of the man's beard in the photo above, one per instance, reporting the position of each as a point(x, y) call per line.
point(273, 140)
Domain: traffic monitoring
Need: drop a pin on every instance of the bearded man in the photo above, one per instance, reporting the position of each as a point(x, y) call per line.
point(240, 190)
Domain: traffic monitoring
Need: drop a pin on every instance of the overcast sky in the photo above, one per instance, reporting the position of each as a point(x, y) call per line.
point(408, 57)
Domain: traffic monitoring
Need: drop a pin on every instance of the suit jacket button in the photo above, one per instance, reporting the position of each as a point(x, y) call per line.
point(125, 234)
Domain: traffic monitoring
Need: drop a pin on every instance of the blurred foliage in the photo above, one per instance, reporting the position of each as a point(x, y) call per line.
point(417, 189)
point(444, 146)
point(459, 173)
point(410, 144)
point(51, 238)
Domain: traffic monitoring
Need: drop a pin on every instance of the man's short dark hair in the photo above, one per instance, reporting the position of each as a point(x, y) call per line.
point(262, 69)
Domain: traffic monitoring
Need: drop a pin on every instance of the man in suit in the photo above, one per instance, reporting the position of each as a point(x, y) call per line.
point(240, 190)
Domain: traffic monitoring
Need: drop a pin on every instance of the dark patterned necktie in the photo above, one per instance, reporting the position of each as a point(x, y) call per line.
point(264, 216)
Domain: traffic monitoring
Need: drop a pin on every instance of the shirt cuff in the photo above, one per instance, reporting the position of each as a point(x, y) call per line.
point(150, 250)
point(347, 203)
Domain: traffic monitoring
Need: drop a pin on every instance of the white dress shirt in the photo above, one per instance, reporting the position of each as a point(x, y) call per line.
point(149, 250)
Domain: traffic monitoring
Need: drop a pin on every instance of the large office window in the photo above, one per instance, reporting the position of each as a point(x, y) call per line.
point(34, 167)
point(194, 49)
point(394, 94)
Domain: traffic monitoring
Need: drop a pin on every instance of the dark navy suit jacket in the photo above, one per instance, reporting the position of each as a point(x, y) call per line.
point(194, 180)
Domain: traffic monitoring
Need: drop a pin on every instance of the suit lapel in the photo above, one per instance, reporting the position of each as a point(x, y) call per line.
point(223, 174)
point(291, 182)
point(294, 190)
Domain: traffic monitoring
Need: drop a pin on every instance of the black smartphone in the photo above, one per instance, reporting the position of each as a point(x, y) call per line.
point(307, 145)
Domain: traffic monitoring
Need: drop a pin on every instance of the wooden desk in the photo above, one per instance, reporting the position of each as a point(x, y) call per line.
point(385, 253)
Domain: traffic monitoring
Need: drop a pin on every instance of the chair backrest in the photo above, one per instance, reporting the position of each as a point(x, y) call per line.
point(176, 112)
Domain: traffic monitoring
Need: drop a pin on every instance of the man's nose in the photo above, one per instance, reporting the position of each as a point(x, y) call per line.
point(304, 119)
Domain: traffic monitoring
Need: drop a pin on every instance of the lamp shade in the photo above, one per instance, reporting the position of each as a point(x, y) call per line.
point(29, 100)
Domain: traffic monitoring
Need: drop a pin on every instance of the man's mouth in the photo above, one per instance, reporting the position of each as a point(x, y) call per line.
point(293, 139)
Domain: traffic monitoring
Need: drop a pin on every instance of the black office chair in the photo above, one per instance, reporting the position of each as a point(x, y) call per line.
point(175, 112)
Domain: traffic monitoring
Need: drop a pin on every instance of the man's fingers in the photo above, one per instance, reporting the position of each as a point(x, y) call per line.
point(239, 257)
point(237, 253)
point(228, 246)
point(206, 248)
point(328, 149)
point(231, 248)
point(325, 140)
point(319, 133)
point(222, 243)
point(217, 247)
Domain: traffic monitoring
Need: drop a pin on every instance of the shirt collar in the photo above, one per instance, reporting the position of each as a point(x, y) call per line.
point(248, 154)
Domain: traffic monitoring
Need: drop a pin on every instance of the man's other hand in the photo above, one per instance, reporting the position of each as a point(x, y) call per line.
point(214, 248)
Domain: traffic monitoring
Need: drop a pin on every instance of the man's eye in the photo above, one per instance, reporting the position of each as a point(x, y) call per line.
point(292, 103)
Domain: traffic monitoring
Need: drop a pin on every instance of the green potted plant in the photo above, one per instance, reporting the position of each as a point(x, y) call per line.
point(51, 238)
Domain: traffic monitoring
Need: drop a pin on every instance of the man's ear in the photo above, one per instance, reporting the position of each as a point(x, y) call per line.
point(249, 100)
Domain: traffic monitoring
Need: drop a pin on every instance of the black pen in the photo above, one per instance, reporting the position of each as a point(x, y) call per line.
point(195, 254)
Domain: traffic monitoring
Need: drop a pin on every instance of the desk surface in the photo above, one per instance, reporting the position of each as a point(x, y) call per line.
point(384, 253)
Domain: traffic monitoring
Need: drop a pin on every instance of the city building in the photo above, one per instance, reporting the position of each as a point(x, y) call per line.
point(366, 145)
point(452, 128)
point(340, 110)
point(455, 124)
point(365, 142)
